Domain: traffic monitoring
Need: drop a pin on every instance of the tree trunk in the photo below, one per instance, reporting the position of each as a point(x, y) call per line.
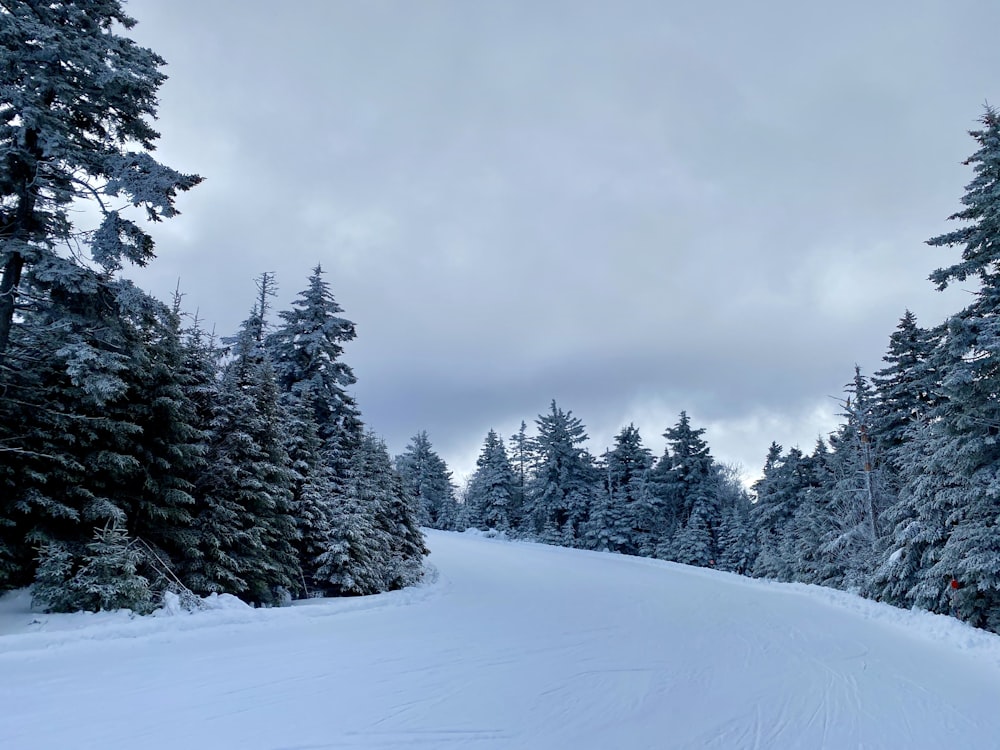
point(8, 292)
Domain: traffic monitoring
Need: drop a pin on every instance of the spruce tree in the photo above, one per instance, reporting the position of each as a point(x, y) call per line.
point(563, 479)
point(491, 490)
point(246, 530)
point(953, 486)
point(904, 390)
point(780, 491)
point(857, 496)
point(687, 484)
point(307, 350)
point(376, 544)
point(520, 462)
point(616, 520)
point(427, 479)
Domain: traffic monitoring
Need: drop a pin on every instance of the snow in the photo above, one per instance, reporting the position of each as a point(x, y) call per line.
point(508, 645)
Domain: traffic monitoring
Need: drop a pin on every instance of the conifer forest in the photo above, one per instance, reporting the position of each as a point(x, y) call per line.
point(140, 453)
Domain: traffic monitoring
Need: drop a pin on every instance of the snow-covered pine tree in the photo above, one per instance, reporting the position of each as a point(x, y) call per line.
point(616, 519)
point(107, 579)
point(397, 515)
point(563, 479)
point(246, 530)
point(904, 389)
point(78, 96)
point(962, 448)
point(687, 485)
point(858, 494)
point(908, 394)
point(779, 493)
point(376, 544)
point(170, 444)
point(520, 463)
point(491, 488)
point(735, 535)
point(315, 486)
point(427, 479)
point(78, 355)
point(307, 350)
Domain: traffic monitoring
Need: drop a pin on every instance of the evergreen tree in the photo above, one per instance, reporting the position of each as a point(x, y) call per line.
point(426, 478)
point(779, 493)
point(520, 464)
point(491, 488)
point(77, 96)
point(953, 488)
point(307, 351)
point(616, 518)
point(563, 479)
point(686, 482)
point(72, 408)
point(376, 544)
point(735, 537)
point(245, 524)
point(857, 496)
point(315, 486)
point(904, 390)
point(108, 578)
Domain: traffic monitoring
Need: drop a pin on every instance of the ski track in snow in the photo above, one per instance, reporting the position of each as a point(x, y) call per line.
point(508, 645)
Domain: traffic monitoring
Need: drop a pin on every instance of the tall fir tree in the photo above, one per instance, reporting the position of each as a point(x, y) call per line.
point(686, 481)
point(563, 479)
point(427, 479)
point(491, 490)
point(246, 530)
point(953, 475)
point(307, 350)
point(779, 493)
point(376, 544)
point(857, 496)
point(616, 520)
point(520, 463)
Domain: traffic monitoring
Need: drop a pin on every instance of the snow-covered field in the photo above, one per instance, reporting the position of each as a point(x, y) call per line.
point(509, 646)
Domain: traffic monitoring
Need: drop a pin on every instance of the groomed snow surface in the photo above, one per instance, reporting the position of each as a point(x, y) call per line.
point(509, 645)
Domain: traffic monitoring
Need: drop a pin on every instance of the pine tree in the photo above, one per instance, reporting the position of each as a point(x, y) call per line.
point(616, 518)
point(491, 488)
point(307, 351)
point(376, 544)
point(563, 479)
point(77, 96)
point(107, 579)
point(520, 463)
point(427, 479)
point(315, 486)
point(953, 489)
point(779, 494)
point(735, 535)
point(72, 410)
point(245, 524)
point(904, 390)
point(857, 496)
point(687, 484)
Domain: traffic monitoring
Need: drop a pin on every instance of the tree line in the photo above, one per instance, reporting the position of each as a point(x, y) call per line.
point(138, 454)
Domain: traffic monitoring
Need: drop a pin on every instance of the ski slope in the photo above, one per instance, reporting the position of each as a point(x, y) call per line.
point(510, 645)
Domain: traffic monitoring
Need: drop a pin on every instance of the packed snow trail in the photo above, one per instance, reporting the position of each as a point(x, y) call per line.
point(513, 646)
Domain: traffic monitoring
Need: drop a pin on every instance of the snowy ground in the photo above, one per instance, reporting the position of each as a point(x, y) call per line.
point(512, 646)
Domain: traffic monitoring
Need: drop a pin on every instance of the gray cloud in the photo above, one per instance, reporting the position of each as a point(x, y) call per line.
point(635, 208)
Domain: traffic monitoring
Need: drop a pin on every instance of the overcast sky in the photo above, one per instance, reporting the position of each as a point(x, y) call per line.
point(631, 207)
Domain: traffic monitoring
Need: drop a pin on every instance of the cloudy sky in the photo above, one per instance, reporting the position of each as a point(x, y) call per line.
point(631, 207)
